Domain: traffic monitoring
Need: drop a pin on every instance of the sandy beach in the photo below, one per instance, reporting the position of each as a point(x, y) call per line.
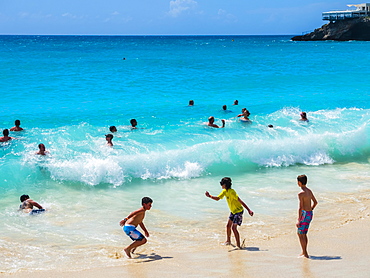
point(338, 247)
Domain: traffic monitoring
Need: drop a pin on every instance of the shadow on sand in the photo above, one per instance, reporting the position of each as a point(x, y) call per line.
point(325, 258)
point(246, 249)
point(150, 258)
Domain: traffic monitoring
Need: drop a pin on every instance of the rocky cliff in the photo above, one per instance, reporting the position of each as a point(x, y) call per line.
point(341, 30)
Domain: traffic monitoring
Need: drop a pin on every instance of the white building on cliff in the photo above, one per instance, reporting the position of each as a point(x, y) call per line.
point(362, 10)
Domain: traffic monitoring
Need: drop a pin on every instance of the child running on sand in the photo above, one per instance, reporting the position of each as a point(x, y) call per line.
point(132, 221)
point(236, 207)
point(305, 212)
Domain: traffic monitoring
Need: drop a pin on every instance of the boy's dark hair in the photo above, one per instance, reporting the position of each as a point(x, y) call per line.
point(109, 136)
point(302, 179)
point(17, 122)
point(133, 122)
point(227, 182)
point(146, 200)
point(24, 198)
point(6, 132)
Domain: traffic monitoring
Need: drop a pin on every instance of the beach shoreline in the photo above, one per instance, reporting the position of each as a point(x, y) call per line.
point(68, 91)
point(335, 251)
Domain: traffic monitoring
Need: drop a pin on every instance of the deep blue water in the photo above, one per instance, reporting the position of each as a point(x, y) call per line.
point(68, 90)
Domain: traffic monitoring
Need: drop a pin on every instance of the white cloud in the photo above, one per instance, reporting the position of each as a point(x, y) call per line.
point(39, 15)
point(179, 6)
point(69, 15)
point(115, 18)
point(24, 14)
point(126, 18)
point(225, 16)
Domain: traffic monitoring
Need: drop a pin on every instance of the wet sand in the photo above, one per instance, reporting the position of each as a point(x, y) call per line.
point(338, 247)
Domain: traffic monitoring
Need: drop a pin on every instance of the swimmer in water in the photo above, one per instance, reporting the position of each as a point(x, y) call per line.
point(191, 103)
point(17, 127)
point(6, 136)
point(133, 123)
point(304, 117)
point(245, 116)
point(236, 102)
point(243, 110)
point(112, 129)
point(224, 109)
point(211, 123)
point(42, 150)
point(28, 204)
point(109, 138)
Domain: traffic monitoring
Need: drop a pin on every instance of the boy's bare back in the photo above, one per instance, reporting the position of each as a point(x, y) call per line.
point(137, 218)
point(306, 198)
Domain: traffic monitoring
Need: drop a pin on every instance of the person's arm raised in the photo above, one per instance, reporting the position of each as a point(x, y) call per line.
point(212, 197)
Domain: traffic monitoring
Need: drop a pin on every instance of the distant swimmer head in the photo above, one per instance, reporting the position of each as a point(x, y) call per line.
point(109, 136)
point(211, 119)
point(24, 198)
point(133, 122)
point(270, 126)
point(42, 147)
point(303, 116)
point(191, 102)
point(112, 128)
point(17, 123)
point(236, 102)
point(6, 132)
point(224, 107)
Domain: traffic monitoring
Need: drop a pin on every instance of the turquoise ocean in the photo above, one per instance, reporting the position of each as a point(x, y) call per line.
point(68, 90)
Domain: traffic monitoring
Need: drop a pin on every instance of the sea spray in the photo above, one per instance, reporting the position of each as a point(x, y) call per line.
point(79, 153)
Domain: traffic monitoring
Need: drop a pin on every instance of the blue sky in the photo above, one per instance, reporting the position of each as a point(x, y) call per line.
point(164, 17)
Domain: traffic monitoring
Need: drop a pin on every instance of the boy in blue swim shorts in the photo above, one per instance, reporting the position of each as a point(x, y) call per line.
point(29, 204)
point(133, 220)
point(307, 202)
point(236, 209)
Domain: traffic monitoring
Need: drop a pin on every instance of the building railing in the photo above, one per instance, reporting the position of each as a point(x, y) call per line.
point(340, 15)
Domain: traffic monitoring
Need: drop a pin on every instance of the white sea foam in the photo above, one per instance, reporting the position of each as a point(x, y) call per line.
point(144, 155)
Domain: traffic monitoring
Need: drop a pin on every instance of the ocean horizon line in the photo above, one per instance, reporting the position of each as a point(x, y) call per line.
point(151, 35)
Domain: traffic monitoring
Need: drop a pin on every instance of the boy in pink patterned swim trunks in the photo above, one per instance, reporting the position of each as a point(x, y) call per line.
point(307, 202)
